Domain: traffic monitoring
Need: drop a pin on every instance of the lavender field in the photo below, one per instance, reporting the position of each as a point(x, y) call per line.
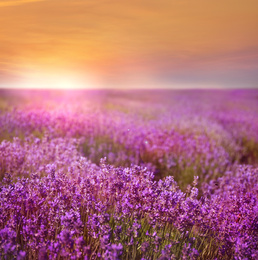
point(105, 174)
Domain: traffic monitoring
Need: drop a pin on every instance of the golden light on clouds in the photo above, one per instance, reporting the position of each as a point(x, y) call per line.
point(169, 40)
point(16, 2)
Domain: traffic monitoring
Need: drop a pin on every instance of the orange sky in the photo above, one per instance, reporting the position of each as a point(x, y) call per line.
point(175, 42)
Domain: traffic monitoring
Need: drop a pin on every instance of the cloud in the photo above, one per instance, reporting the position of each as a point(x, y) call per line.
point(176, 40)
point(17, 2)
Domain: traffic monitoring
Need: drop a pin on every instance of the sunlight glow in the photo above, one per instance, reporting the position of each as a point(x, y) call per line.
point(55, 81)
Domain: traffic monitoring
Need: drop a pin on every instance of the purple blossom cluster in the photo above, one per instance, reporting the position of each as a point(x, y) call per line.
point(178, 178)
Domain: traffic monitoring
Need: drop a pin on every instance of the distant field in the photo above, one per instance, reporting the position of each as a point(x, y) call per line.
point(140, 174)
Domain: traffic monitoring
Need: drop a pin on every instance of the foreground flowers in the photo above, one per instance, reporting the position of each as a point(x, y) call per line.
point(104, 211)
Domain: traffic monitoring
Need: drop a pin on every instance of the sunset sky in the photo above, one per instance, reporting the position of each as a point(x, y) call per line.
point(129, 43)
